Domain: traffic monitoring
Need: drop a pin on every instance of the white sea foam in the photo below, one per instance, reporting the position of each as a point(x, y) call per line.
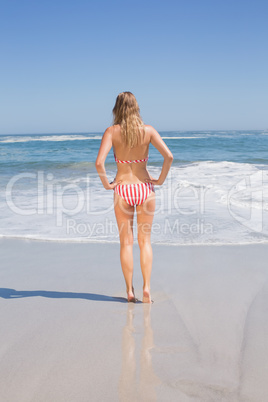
point(194, 198)
point(99, 241)
point(75, 137)
point(182, 138)
point(14, 139)
point(58, 138)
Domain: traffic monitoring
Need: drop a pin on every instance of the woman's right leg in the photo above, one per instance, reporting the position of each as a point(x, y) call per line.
point(145, 215)
point(124, 216)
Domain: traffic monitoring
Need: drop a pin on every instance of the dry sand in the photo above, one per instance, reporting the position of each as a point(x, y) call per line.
point(68, 334)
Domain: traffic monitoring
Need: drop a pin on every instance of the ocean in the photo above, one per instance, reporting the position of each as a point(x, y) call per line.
point(216, 192)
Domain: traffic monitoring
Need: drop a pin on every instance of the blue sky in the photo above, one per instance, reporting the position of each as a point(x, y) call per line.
point(193, 65)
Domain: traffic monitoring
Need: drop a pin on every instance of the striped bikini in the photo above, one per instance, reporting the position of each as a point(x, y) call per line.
point(134, 194)
point(135, 161)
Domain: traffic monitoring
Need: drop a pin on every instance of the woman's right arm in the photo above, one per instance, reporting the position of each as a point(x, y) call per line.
point(159, 144)
point(106, 145)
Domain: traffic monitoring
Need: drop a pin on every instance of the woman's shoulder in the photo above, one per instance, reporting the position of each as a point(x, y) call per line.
point(115, 130)
point(112, 129)
point(117, 127)
point(150, 130)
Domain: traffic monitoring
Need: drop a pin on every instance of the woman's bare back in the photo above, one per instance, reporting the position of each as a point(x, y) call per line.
point(131, 173)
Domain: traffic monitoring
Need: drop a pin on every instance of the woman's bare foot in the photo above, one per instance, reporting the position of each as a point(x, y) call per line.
point(147, 296)
point(131, 296)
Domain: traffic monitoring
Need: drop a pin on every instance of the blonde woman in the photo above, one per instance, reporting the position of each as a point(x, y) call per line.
point(133, 186)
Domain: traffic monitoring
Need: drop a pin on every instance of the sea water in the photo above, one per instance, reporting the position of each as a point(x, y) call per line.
point(216, 191)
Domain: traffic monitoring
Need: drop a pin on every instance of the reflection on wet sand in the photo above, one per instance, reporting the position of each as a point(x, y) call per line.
point(137, 380)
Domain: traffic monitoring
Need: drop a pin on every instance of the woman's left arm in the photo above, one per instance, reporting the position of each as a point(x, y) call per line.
point(105, 147)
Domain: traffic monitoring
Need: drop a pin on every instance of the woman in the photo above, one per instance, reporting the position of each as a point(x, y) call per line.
point(133, 185)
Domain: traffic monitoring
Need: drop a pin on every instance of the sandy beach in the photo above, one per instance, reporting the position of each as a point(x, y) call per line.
point(68, 334)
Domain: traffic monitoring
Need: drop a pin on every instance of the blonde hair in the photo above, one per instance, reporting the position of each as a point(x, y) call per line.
point(126, 113)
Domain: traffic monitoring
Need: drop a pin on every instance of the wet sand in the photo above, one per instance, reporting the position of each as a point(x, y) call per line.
point(68, 334)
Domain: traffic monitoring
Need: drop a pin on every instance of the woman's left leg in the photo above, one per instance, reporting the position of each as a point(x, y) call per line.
point(145, 215)
point(124, 214)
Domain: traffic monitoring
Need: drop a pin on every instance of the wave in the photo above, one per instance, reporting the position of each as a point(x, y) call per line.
point(180, 167)
point(225, 194)
point(99, 241)
point(181, 138)
point(47, 138)
point(76, 138)
point(91, 137)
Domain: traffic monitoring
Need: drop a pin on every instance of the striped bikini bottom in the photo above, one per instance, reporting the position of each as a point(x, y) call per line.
point(134, 194)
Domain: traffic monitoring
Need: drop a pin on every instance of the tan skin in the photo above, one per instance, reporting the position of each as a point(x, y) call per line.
point(132, 173)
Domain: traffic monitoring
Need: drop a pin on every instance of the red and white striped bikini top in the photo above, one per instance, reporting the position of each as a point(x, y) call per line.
point(135, 161)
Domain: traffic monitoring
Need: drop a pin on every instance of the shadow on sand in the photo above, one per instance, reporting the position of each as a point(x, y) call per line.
point(16, 294)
